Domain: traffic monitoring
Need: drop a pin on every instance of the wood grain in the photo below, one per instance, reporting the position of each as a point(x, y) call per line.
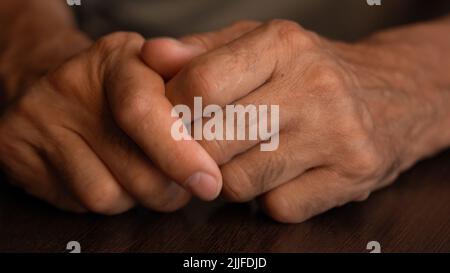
point(413, 215)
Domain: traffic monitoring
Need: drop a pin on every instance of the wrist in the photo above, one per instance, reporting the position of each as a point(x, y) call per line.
point(26, 59)
point(413, 70)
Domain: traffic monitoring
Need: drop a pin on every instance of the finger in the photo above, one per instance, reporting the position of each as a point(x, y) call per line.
point(247, 122)
point(87, 177)
point(310, 194)
point(230, 72)
point(167, 56)
point(255, 172)
point(29, 168)
point(136, 97)
point(38, 181)
point(45, 185)
point(137, 174)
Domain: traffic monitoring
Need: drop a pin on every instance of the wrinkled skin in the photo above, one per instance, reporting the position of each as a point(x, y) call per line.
point(349, 121)
point(93, 135)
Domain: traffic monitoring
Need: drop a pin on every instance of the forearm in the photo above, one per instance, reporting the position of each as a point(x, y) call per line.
point(35, 36)
point(415, 60)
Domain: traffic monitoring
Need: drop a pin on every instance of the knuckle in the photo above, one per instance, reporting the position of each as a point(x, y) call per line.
point(65, 80)
point(244, 181)
point(280, 208)
point(330, 75)
point(361, 160)
point(103, 199)
point(27, 110)
point(109, 43)
point(326, 77)
point(367, 163)
point(107, 48)
point(200, 80)
point(270, 169)
point(132, 109)
point(362, 196)
point(291, 33)
point(129, 36)
point(170, 201)
point(76, 80)
point(236, 183)
point(283, 26)
point(217, 150)
point(354, 135)
point(24, 107)
point(168, 198)
point(170, 204)
point(139, 183)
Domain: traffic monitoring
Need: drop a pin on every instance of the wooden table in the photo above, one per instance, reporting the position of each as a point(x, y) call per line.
point(412, 215)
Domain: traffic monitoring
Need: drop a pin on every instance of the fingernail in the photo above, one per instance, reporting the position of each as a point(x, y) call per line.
point(186, 45)
point(203, 186)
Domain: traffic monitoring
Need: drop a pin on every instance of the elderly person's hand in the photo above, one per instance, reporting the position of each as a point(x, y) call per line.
point(352, 116)
point(94, 134)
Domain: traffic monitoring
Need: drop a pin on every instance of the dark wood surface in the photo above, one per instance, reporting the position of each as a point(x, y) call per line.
point(413, 215)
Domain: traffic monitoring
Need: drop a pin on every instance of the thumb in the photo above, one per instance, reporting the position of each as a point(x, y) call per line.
point(167, 56)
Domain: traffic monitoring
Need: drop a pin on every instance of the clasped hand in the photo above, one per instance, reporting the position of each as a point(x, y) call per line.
point(95, 134)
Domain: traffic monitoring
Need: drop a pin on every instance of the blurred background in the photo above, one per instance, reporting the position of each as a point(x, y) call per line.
point(344, 19)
